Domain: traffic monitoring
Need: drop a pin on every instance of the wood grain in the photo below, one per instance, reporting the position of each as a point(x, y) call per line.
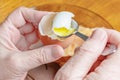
point(83, 16)
point(108, 9)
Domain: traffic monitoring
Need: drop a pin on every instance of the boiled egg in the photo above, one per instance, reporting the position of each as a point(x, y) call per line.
point(62, 24)
point(56, 25)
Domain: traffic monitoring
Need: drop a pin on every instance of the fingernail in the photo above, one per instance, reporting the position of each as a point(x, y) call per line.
point(57, 51)
point(98, 34)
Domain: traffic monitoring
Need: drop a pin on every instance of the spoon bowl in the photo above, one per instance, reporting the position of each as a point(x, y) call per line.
point(75, 25)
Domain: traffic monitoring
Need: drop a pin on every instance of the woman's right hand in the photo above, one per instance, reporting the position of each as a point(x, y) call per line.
point(78, 67)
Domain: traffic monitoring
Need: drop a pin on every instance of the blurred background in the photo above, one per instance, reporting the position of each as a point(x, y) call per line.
point(109, 10)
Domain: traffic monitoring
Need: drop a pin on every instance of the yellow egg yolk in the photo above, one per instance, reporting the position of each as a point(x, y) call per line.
point(62, 32)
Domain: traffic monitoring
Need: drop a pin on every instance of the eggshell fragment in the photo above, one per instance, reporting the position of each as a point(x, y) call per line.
point(45, 26)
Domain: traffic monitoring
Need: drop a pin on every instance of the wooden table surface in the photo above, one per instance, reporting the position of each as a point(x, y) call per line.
point(108, 9)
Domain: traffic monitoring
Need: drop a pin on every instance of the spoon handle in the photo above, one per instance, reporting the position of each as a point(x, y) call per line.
point(84, 37)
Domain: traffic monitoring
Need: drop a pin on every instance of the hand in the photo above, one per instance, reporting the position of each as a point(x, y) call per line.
point(78, 67)
point(17, 34)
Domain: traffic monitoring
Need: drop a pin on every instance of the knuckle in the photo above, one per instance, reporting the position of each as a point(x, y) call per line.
point(41, 56)
point(85, 50)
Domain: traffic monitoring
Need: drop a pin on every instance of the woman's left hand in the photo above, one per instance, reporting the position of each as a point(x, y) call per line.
point(17, 33)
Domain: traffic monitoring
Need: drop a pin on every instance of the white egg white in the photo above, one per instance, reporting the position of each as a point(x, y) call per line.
point(63, 19)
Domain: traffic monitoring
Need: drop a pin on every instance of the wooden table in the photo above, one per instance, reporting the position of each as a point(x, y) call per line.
point(108, 9)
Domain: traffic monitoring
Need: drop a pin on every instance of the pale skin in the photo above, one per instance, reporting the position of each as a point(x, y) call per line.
point(19, 31)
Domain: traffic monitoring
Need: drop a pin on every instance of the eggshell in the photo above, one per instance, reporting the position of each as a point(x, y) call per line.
point(45, 26)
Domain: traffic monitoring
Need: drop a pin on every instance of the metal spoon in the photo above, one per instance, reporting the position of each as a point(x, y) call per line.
point(76, 27)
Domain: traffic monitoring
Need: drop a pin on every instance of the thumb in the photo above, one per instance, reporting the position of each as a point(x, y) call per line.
point(79, 65)
point(43, 55)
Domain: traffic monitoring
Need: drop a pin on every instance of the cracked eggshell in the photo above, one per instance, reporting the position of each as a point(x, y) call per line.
point(62, 24)
point(46, 34)
point(55, 20)
point(45, 26)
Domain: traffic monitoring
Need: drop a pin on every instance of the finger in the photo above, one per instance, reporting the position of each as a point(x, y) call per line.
point(45, 74)
point(113, 41)
point(19, 18)
point(27, 28)
point(111, 64)
point(109, 49)
point(43, 55)
point(32, 37)
point(79, 65)
point(22, 15)
point(26, 41)
point(113, 36)
point(109, 67)
point(22, 44)
point(97, 63)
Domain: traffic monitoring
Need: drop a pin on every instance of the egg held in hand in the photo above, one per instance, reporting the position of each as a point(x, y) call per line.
point(56, 25)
